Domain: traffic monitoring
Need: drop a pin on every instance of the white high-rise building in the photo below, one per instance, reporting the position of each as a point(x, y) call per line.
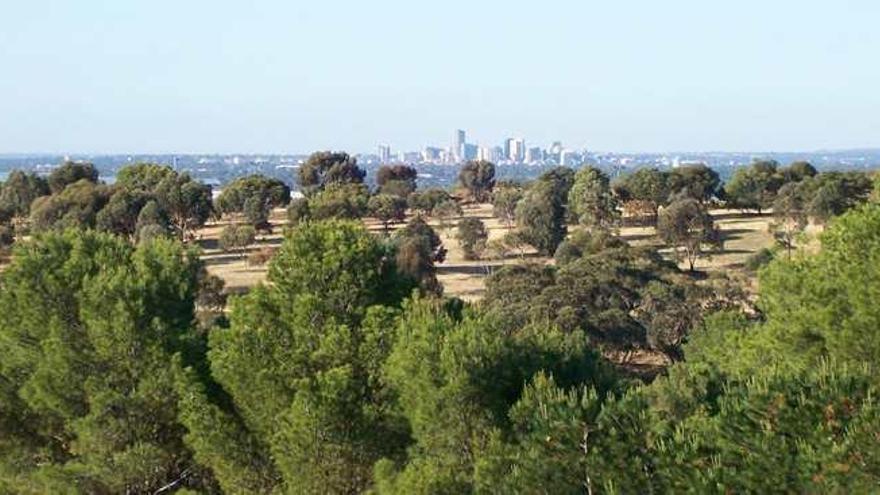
point(384, 153)
point(458, 145)
point(517, 150)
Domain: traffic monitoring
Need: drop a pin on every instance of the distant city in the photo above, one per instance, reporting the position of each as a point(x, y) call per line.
point(513, 151)
point(438, 165)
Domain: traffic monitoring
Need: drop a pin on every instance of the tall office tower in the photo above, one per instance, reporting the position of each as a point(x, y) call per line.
point(517, 152)
point(458, 145)
point(384, 153)
point(508, 144)
point(484, 154)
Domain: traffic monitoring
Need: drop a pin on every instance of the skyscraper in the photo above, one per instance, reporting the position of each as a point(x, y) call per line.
point(458, 148)
point(384, 153)
point(516, 150)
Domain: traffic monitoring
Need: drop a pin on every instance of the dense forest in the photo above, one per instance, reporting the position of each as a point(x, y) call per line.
point(126, 368)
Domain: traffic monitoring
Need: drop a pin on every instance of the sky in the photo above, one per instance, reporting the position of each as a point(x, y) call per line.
point(177, 76)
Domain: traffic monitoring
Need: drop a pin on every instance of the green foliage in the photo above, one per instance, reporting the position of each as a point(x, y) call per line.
point(645, 191)
point(759, 259)
point(88, 329)
point(826, 304)
point(340, 201)
point(472, 236)
point(833, 193)
point(298, 211)
point(504, 201)
point(237, 237)
point(325, 168)
point(19, 192)
point(687, 227)
point(697, 182)
point(456, 380)
point(184, 203)
point(387, 209)
point(301, 363)
point(418, 247)
point(755, 187)
point(590, 200)
point(478, 178)
point(70, 173)
point(397, 180)
point(427, 200)
point(77, 206)
point(254, 196)
point(790, 215)
point(540, 217)
point(584, 242)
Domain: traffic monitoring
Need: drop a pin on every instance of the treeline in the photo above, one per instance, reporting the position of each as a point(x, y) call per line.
point(125, 371)
point(150, 199)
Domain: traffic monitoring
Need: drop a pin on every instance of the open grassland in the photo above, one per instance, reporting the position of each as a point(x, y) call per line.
point(744, 234)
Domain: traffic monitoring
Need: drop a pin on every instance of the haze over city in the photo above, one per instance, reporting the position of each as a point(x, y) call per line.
point(272, 76)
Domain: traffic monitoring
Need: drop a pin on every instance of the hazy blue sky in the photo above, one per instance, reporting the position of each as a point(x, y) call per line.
point(291, 76)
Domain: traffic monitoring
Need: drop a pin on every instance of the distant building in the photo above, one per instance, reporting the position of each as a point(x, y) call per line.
point(534, 155)
point(384, 153)
point(569, 158)
point(470, 151)
point(431, 154)
point(516, 150)
point(485, 154)
point(459, 145)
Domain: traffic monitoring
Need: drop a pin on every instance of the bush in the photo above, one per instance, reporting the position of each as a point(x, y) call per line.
point(759, 259)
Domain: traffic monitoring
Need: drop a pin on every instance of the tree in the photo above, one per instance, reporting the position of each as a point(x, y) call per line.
point(397, 180)
point(504, 201)
point(427, 200)
point(447, 371)
point(798, 171)
point(387, 209)
point(183, 201)
point(472, 236)
point(698, 182)
point(342, 201)
point(303, 407)
point(151, 222)
point(19, 192)
point(687, 227)
point(7, 237)
point(478, 178)
point(77, 206)
point(237, 237)
point(790, 214)
point(446, 212)
point(324, 168)
point(254, 196)
point(586, 242)
point(69, 173)
point(89, 327)
point(540, 217)
point(755, 187)
point(418, 249)
point(120, 214)
point(186, 201)
point(646, 188)
point(590, 199)
point(833, 193)
point(298, 211)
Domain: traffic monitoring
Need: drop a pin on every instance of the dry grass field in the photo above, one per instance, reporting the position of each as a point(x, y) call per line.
point(744, 234)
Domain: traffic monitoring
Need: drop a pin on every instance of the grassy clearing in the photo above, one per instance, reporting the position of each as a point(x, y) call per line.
point(744, 234)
